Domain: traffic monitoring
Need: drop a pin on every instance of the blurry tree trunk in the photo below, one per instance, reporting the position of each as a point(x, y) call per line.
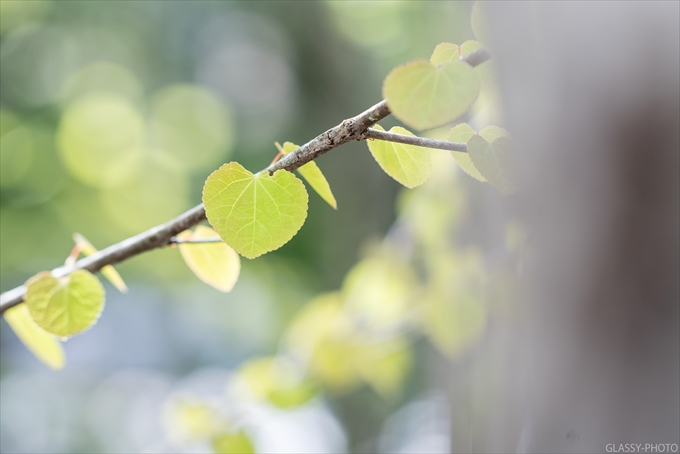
point(591, 95)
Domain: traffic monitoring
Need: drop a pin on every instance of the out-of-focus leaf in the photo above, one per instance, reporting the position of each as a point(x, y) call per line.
point(323, 335)
point(454, 324)
point(425, 96)
point(277, 381)
point(109, 272)
point(233, 443)
point(65, 306)
point(408, 164)
point(42, 344)
point(254, 214)
point(312, 174)
point(385, 365)
point(192, 419)
point(380, 291)
point(216, 264)
point(454, 313)
point(493, 160)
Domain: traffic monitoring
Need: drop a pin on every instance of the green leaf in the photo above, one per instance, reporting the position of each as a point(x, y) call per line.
point(312, 174)
point(493, 160)
point(109, 272)
point(408, 164)
point(233, 443)
point(216, 264)
point(65, 306)
point(462, 133)
point(447, 52)
point(42, 344)
point(425, 96)
point(254, 214)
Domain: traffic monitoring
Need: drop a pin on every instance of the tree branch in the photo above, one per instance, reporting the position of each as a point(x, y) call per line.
point(351, 129)
point(413, 140)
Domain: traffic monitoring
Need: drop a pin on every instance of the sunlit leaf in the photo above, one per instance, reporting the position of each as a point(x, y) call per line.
point(312, 174)
point(233, 443)
point(67, 305)
point(216, 264)
point(462, 133)
point(493, 160)
point(42, 344)
point(109, 272)
point(425, 96)
point(408, 164)
point(277, 381)
point(254, 214)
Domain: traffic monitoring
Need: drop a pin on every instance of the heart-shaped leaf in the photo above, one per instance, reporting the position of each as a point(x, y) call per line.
point(408, 164)
point(41, 343)
point(493, 160)
point(254, 214)
point(425, 96)
point(447, 52)
point(462, 133)
point(216, 264)
point(312, 174)
point(67, 305)
point(109, 272)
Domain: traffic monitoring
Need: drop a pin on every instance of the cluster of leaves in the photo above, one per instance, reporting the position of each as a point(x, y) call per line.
point(257, 213)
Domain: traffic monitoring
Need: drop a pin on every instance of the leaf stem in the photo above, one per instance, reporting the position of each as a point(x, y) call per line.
point(413, 140)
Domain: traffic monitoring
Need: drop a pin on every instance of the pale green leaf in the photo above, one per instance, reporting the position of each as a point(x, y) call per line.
point(425, 96)
point(491, 133)
point(448, 52)
point(42, 344)
point(233, 443)
point(408, 164)
point(312, 174)
point(216, 264)
point(254, 214)
point(493, 160)
point(67, 305)
point(445, 53)
point(462, 133)
point(109, 272)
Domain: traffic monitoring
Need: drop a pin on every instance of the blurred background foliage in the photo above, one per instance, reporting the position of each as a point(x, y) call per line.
point(112, 114)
